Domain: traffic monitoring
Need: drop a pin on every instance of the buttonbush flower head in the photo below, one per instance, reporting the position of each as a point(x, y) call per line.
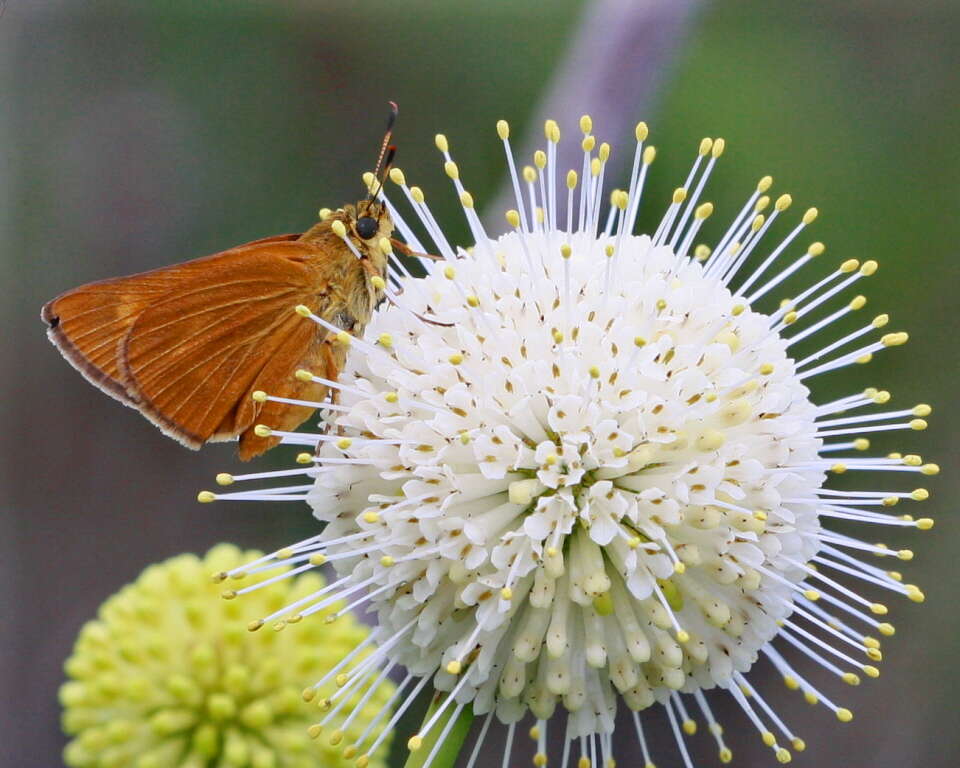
point(167, 675)
point(576, 468)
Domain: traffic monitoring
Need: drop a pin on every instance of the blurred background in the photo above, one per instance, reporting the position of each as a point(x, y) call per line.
point(137, 134)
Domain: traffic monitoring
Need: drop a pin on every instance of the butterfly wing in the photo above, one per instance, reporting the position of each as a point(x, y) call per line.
point(193, 358)
point(88, 323)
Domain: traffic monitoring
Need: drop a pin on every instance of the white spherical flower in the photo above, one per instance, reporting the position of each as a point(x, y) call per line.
point(573, 465)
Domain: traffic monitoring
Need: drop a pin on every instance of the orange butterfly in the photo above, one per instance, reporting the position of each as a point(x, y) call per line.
point(188, 345)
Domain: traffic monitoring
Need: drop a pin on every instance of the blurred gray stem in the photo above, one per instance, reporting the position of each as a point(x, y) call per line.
point(615, 62)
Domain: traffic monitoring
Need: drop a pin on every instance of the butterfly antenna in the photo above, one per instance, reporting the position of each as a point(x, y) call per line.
point(385, 145)
point(385, 158)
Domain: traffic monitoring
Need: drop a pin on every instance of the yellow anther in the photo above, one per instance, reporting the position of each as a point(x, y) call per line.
point(726, 755)
point(324, 213)
point(540, 159)
point(868, 268)
point(473, 301)
point(205, 497)
point(571, 179)
point(588, 143)
point(338, 228)
point(878, 608)
point(604, 152)
point(450, 168)
point(690, 727)
point(857, 302)
point(586, 124)
point(503, 129)
point(918, 424)
point(449, 272)
point(783, 202)
point(318, 559)
point(224, 479)
point(798, 744)
point(368, 179)
point(608, 250)
point(811, 594)
point(764, 184)
point(871, 671)
point(557, 336)
point(844, 715)
point(262, 430)
point(441, 141)
point(921, 409)
point(397, 177)
point(551, 130)
point(417, 194)
point(595, 166)
point(391, 397)
point(768, 738)
point(791, 317)
point(371, 517)
point(850, 265)
point(303, 375)
point(914, 593)
point(905, 555)
point(344, 443)
point(566, 251)
point(757, 222)
point(703, 211)
point(761, 204)
point(924, 523)
point(887, 630)
point(783, 755)
point(639, 341)
point(850, 678)
point(718, 146)
point(304, 458)
point(919, 494)
point(738, 309)
point(344, 338)
point(838, 468)
point(506, 593)
point(810, 216)
point(861, 444)
point(303, 310)
point(683, 636)
point(455, 359)
point(641, 131)
point(466, 199)
point(228, 594)
point(815, 249)
point(701, 252)
point(649, 155)
point(766, 369)
point(386, 561)
point(529, 174)
point(679, 567)
point(414, 743)
point(894, 339)
point(706, 145)
point(679, 195)
point(259, 396)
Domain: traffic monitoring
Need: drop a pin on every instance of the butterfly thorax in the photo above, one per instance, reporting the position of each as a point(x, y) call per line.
point(339, 271)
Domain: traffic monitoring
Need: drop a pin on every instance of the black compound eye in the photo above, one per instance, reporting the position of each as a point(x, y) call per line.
point(367, 227)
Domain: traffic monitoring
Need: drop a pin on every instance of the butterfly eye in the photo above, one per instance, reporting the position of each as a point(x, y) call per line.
point(367, 227)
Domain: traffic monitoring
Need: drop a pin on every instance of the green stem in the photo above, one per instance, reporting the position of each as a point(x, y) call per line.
point(453, 742)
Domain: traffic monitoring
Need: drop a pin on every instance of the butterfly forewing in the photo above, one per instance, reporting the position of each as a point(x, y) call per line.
point(187, 345)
